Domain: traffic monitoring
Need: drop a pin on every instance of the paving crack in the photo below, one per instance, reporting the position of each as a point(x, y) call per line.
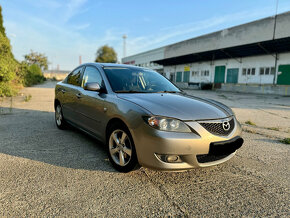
point(172, 202)
point(273, 113)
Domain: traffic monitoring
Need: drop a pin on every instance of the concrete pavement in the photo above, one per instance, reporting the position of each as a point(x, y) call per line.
point(48, 172)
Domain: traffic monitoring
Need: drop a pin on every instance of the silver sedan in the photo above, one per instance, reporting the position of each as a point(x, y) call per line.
point(144, 119)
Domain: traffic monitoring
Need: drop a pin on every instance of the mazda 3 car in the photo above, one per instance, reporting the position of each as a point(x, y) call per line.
point(144, 119)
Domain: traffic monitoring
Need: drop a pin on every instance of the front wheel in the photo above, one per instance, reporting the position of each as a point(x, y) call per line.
point(121, 149)
point(59, 120)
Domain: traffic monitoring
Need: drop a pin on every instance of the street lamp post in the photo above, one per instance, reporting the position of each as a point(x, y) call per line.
point(124, 45)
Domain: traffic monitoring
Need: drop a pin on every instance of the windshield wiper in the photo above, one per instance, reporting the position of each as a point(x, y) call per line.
point(129, 91)
point(167, 91)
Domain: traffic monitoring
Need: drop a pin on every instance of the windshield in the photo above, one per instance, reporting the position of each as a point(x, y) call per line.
point(130, 80)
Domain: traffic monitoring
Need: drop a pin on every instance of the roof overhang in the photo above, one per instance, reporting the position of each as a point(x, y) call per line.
point(237, 52)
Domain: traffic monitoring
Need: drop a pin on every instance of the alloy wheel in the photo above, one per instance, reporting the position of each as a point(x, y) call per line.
point(58, 115)
point(120, 147)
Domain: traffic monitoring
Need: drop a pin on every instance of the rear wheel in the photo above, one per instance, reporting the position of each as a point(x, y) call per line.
point(121, 148)
point(59, 120)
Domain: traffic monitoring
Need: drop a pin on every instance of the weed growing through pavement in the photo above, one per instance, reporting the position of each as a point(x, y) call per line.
point(249, 122)
point(285, 141)
point(223, 96)
point(27, 98)
point(273, 128)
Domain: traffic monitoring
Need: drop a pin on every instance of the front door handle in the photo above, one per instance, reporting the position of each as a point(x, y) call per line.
point(63, 91)
point(79, 95)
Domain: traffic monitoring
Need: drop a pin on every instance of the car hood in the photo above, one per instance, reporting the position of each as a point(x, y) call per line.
point(179, 105)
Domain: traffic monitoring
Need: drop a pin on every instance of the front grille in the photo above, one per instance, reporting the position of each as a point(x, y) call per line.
point(216, 127)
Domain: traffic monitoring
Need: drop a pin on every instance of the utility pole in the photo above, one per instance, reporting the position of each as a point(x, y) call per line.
point(80, 59)
point(124, 45)
point(276, 54)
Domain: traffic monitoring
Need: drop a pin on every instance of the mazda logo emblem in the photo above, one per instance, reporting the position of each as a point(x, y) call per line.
point(226, 125)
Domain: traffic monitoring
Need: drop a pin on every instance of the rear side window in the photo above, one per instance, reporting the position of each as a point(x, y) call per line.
point(75, 77)
point(92, 75)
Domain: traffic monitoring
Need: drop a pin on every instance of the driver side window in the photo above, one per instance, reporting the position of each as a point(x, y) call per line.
point(92, 75)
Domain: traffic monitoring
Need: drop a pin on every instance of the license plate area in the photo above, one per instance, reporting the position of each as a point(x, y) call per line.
point(225, 147)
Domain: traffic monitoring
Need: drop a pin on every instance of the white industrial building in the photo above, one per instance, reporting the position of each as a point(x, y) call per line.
point(146, 59)
point(252, 54)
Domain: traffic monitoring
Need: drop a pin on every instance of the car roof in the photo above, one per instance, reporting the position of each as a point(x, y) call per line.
point(114, 65)
point(109, 65)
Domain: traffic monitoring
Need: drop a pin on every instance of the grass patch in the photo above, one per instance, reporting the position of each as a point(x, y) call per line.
point(273, 128)
point(250, 131)
point(223, 96)
point(27, 98)
point(285, 141)
point(249, 122)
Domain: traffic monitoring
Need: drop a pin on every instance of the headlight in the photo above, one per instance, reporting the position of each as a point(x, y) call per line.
point(167, 124)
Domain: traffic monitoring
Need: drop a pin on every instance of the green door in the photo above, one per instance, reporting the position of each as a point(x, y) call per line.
point(283, 75)
point(232, 75)
point(219, 75)
point(186, 76)
point(179, 77)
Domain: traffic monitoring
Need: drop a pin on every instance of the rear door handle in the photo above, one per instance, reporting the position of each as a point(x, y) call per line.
point(79, 95)
point(63, 91)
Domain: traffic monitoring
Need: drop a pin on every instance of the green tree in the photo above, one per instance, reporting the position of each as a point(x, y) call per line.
point(38, 59)
point(8, 65)
point(2, 29)
point(7, 61)
point(106, 54)
point(13, 73)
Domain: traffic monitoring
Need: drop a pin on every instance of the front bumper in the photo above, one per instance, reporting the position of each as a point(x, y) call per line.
point(193, 149)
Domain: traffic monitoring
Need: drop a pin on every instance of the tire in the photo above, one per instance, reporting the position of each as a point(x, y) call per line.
point(121, 149)
point(59, 119)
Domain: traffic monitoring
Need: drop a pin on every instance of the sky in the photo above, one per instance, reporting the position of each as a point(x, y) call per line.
point(65, 29)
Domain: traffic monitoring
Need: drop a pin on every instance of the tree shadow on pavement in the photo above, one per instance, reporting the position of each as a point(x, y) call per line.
point(33, 135)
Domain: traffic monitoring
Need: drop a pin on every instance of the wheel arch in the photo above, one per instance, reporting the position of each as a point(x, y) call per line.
point(56, 102)
point(113, 121)
point(120, 121)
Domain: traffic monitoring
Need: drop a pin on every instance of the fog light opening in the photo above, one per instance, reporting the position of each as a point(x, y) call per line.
point(172, 158)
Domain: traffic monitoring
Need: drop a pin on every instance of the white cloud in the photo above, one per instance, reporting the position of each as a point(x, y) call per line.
point(82, 26)
point(12, 35)
point(192, 29)
point(73, 7)
point(63, 42)
point(51, 4)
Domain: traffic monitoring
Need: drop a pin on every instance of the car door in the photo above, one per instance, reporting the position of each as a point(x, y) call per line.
point(70, 96)
point(91, 105)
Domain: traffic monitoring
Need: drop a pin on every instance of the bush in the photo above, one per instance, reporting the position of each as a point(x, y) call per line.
point(7, 89)
point(31, 75)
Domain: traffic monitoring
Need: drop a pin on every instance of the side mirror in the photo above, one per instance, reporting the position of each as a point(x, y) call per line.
point(92, 87)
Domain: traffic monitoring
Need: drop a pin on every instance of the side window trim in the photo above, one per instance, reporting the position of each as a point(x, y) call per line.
point(83, 77)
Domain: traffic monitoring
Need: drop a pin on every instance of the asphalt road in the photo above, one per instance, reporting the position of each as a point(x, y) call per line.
point(48, 172)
